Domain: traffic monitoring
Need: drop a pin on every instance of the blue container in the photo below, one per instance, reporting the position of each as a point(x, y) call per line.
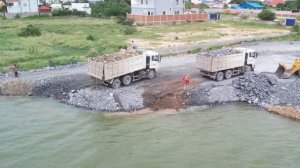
point(290, 22)
point(214, 16)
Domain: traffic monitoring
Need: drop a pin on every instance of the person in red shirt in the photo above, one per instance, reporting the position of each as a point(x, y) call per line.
point(14, 68)
point(186, 80)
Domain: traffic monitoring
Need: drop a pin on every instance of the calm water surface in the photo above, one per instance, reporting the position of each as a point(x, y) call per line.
point(43, 133)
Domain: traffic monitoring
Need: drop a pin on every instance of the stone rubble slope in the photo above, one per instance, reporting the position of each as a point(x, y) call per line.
point(108, 99)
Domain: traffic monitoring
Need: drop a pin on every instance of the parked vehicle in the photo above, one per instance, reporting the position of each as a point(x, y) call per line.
point(124, 71)
point(226, 66)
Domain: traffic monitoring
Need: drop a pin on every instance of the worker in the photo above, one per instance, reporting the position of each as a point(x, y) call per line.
point(133, 46)
point(14, 69)
point(186, 80)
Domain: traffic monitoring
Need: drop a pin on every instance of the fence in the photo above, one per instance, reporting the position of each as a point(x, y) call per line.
point(283, 14)
point(163, 19)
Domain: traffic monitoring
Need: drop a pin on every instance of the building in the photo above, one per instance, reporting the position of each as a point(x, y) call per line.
point(249, 5)
point(274, 2)
point(84, 7)
point(157, 7)
point(45, 10)
point(23, 8)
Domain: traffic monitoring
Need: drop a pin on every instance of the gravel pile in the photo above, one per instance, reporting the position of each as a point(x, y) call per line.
point(107, 99)
point(212, 95)
point(255, 88)
point(123, 54)
point(220, 52)
point(288, 94)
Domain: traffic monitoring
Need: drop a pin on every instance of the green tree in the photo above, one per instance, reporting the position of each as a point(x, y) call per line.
point(189, 4)
point(267, 15)
point(225, 6)
point(110, 8)
point(202, 6)
point(237, 1)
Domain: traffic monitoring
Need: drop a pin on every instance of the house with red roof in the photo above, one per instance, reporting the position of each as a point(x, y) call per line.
point(274, 2)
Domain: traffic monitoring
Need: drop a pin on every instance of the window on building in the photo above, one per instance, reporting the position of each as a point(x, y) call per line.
point(142, 1)
point(164, 12)
point(177, 2)
point(149, 13)
point(177, 12)
point(25, 4)
point(146, 1)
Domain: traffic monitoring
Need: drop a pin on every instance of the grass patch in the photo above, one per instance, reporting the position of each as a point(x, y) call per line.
point(194, 51)
point(67, 40)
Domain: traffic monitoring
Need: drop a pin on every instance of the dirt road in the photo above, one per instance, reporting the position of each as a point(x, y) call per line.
point(72, 85)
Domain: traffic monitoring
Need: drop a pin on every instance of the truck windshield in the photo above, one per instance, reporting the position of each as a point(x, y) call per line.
point(155, 58)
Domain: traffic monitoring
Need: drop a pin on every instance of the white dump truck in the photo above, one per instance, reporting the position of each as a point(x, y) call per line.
point(225, 63)
point(124, 67)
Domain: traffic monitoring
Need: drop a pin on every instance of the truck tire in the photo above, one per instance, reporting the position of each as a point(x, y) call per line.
point(247, 68)
point(298, 73)
point(228, 74)
point(220, 76)
point(116, 83)
point(151, 74)
point(126, 80)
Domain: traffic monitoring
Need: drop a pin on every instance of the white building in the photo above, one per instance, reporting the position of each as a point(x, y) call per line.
point(157, 7)
point(85, 7)
point(82, 7)
point(22, 7)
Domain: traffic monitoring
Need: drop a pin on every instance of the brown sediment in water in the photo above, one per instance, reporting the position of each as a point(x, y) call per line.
point(170, 95)
point(289, 112)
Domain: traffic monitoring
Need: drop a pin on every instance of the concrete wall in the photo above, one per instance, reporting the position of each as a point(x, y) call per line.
point(157, 7)
point(165, 19)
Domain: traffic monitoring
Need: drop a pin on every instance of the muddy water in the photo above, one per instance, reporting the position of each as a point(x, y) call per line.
point(43, 133)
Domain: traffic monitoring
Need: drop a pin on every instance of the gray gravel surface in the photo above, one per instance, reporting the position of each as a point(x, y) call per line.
point(107, 99)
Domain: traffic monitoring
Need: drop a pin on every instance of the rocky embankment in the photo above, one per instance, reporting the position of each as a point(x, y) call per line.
point(258, 89)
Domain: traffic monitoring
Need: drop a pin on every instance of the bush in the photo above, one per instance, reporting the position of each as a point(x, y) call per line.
point(129, 30)
point(68, 12)
point(30, 30)
point(266, 15)
point(91, 37)
point(244, 17)
point(296, 29)
point(110, 8)
point(124, 21)
point(18, 16)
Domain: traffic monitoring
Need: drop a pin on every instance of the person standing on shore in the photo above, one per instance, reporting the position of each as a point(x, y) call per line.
point(133, 46)
point(14, 68)
point(186, 80)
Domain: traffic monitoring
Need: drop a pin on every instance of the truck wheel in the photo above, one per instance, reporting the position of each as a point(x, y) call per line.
point(247, 68)
point(220, 76)
point(151, 74)
point(116, 83)
point(298, 73)
point(126, 80)
point(228, 74)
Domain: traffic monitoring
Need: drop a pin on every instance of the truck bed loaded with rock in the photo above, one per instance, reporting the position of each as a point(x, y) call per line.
point(224, 63)
point(124, 67)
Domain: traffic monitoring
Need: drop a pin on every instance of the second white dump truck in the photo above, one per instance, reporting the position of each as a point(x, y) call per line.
point(225, 63)
point(124, 67)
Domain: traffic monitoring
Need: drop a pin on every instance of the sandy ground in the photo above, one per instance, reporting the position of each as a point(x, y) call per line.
point(174, 39)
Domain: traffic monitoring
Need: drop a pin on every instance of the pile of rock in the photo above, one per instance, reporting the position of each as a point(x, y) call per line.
point(123, 54)
point(220, 52)
point(255, 88)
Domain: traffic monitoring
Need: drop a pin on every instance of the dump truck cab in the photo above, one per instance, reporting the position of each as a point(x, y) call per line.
point(250, 57)
point(152, 59)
